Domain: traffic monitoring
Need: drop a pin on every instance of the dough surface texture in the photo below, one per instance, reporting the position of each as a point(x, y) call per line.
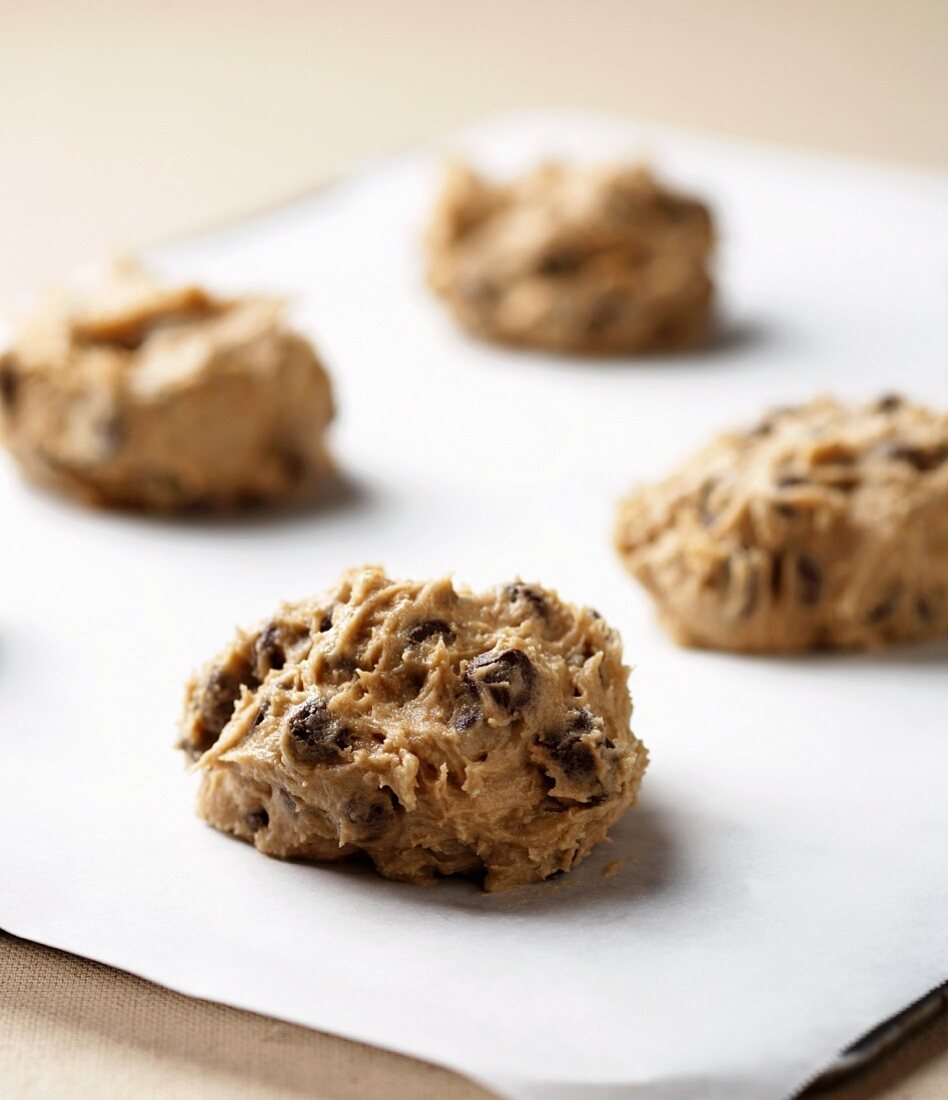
point(431, 729)
point(131, 394)
point(824, 526)
point(587, 260)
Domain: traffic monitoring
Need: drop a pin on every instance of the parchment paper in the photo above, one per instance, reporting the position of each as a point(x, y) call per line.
point(782, 885)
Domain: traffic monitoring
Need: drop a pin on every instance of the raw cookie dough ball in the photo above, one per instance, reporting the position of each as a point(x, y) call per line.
point(823, 526)
point(131, 394)
point(601, 260)
point(435, 730)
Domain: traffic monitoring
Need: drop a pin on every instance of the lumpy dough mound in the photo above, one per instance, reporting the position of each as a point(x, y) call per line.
point(822, 526)
point(435, 730)
point(131, 394)
point(567, 259)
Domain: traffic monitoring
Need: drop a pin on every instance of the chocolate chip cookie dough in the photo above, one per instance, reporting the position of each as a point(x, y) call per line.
point(434, 730)
point(132, 394)
point(821, 526)
point(596, 260)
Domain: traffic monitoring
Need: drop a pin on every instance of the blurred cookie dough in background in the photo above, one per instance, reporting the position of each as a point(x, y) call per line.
point(823, 526)
point(434, 730)
point(594, 260)
point(131, 394)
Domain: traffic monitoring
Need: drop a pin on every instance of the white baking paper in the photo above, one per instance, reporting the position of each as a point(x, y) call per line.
point(782, 885)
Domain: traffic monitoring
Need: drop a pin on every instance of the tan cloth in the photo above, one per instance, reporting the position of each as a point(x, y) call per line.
point(70, 1027)
point(116, 128)
point(73, 1028)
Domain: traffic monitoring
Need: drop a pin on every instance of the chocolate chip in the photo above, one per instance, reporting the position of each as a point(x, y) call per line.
point(292, 464)
point(762, 429)
point(244, 500)
point(112, 433)
point(923, 459)
point(221, 691)
point(466, 717)
point(261, 713)
point(420, 632)
point(582, 720)
point(888, 402)
point(842, 482)
point(924, 609)
point(527, 594)
point(776, 577)
point(673, 209)
point(551, 805)
point(509, 678)
point(573, 755)
point(9, 383)
point(268, 650)
point(565, 260)
point(605, 311)
point(567, 748)
point(668, 332)
point(257, 820)
point(809, 581)
point(371, 816)
point(215, 700)
point(791, 481)
point(885, 609)
point(315, 735)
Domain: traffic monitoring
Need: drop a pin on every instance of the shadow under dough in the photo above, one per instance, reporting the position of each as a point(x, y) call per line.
point(901, 654)
point(730, 340)
point(641, 859)
point(339, 494)
point(733, 337)
point(69, 1009)
point(915, 654)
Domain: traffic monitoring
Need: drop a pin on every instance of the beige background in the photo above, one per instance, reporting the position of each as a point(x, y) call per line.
point(125, 122)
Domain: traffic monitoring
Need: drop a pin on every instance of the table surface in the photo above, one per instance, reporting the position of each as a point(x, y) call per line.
point(125, 123)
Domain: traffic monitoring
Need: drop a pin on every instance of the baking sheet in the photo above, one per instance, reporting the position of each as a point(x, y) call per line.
point(782, 885)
